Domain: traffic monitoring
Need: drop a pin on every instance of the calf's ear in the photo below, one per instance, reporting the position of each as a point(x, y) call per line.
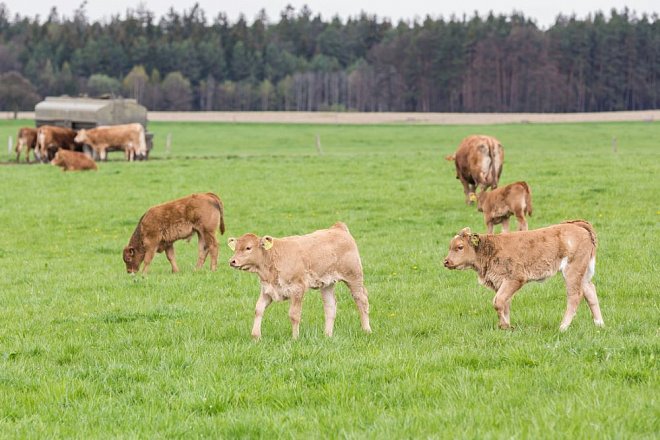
point(465, 232)
point(266, 242)
point(474, 240)
point(231, 242)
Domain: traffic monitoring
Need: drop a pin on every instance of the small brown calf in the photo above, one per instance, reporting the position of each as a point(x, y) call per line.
point(73, 161)
point(179, 219)
point(499, 204)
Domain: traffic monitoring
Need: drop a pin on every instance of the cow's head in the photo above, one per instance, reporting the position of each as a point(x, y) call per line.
point(249, 251)
point(133, 258)
point(58, 159)
point(81, 137)
point(462, 250)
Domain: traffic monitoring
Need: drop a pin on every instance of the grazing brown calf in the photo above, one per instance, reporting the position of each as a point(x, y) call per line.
point(129, 138)
point(506, 262)
point(478, 161)
point(290, 266)
point(164, 224)
point(51, 138)
point(25, 141)
point(499, 204)
point(73, 161)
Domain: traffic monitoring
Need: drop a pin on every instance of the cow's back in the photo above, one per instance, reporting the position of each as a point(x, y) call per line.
point(479, 159)
point(324, 252)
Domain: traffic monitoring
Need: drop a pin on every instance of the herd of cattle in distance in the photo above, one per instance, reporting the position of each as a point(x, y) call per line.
point(64, 147)
point(288, 267)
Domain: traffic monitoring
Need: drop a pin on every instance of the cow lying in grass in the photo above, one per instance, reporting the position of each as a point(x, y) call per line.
point(501, 203)
point(73, 161)
point(506, 262)
point(290, 266)
point(164, 224)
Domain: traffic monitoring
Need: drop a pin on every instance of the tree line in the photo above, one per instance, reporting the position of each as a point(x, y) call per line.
point(186, 61)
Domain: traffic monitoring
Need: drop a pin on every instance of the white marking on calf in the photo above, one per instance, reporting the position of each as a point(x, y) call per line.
point(591, 270)
point(562, 266)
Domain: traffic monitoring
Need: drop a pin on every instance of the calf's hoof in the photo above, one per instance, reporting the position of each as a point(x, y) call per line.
point(505, 326)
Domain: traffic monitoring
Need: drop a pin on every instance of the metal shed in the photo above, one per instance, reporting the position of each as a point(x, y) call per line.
point(77, 113)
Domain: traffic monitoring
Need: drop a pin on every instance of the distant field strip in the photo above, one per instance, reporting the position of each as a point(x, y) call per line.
point(388, 118)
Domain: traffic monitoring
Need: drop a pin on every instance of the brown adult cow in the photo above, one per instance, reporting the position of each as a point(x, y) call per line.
point(478, 161)
point(289, 266)
point(51, 138)
point(129, 138)
point(25, 141)
point(166, 223)
point(506, 262)
point(73, 161)
point(501, 203)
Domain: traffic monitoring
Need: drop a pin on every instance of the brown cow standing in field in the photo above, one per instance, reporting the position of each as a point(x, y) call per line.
point(51, 138)
point(129, 138)
point(479, 161)
point(73, 161)
point(164, 224)
point(499, 204)
point(506, 262)
point(25, 141)
point(290, 266)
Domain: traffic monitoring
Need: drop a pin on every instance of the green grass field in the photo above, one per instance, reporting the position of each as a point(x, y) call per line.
point(88, 352)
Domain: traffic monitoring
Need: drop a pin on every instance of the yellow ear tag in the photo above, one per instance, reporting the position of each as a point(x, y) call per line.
point(474, 239)
point(232, 244)
point(268, 244)
point(473, 197)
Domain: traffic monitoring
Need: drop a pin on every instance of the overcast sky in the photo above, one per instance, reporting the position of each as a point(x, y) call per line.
point(544, 12)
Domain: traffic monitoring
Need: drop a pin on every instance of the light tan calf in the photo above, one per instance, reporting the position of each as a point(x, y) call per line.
point(505, 262)
point(127, 137)
point(290, 266)
point(499, 204)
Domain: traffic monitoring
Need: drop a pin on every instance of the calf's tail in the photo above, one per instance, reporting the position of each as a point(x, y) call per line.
point(528, 199)
point(592, 233)
point(496, 154)
point(220, 207)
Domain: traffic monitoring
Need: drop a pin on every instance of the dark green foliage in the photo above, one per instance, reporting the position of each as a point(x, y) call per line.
point(469, 64)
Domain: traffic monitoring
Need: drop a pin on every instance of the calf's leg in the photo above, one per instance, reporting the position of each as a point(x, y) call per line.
point(295, 314)
point(169, 253)
point(148, 256)
point(589, 291)
point(329, 308)
point(203, 250)
point(212, 248)
point(520, 216)
point(505, 225)
point(502, 301)
point(573, 275)
point(361, 298)
point(262, 303)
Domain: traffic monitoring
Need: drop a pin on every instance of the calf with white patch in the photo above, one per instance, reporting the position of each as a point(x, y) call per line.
point(479, 160)
point(290, 266)
point(499, 204)
point(505, 262)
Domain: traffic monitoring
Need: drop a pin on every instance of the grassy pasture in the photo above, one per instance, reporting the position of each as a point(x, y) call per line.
point(87, 351)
